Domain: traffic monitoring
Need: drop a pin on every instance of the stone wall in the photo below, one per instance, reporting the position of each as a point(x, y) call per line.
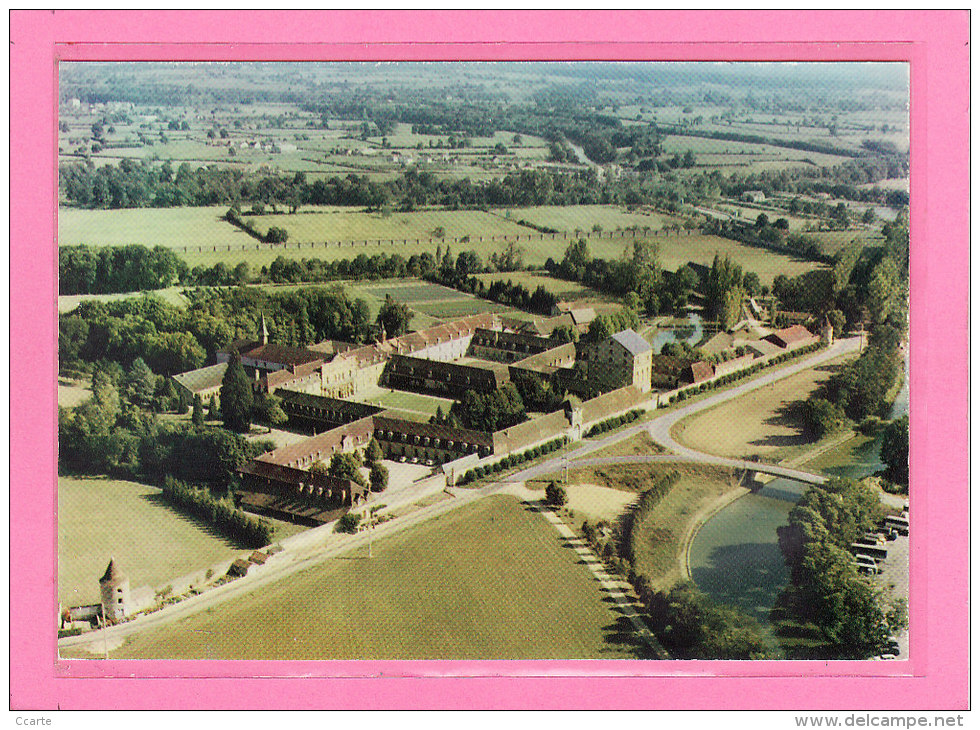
point(529, 433)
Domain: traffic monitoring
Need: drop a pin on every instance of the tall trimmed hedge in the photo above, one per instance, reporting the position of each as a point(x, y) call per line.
point(248, 530)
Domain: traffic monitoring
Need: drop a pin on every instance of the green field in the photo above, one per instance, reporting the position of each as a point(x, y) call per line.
point(764, 424)
point(675, 250)
point(319, 224)
point(172, 295)
point(559, 287)
point(460, 308)
point(583, 217)
point(100, 519)
point(150, 227)
point(491, 580)
point(412, 292)
point(202, 227)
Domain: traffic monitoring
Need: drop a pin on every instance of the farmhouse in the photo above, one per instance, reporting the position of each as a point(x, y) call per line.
point(507, 346)
point(294, 494)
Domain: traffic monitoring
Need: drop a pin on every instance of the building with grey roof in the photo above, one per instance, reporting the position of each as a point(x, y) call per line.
point(204, 382)
point(617, 361)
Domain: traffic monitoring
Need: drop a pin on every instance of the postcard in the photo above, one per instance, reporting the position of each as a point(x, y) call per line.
point(542, 356)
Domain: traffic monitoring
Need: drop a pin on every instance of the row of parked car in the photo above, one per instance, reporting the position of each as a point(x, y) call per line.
point(872, 549)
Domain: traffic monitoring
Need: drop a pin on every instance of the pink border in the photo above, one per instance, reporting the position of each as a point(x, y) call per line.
point(934, 43)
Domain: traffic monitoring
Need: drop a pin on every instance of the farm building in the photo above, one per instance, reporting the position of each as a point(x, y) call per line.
point(792, 338)
point(294, 494)
point(319, 413)
point(428, 442)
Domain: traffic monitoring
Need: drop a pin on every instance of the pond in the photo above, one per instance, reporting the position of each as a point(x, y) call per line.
point(735, 557)
point(691, 333)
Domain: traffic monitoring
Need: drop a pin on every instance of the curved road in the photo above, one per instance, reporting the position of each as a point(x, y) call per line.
point(286, 564)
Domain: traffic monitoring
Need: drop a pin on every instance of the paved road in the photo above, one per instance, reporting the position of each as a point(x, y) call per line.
point(659, 428)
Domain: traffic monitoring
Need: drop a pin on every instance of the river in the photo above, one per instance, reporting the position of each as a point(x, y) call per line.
point(735, 557)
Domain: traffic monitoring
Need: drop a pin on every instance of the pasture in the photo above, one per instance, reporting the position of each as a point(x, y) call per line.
point(100, 519)
point(455, 308)
point(491, 580)
point(319, 224)
point(170, 227)
point(356, 232)
point(570, 218)
point(532, 280)
point(172, 295)
point(763, 423)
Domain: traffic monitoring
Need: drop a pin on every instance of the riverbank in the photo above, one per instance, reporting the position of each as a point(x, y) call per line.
point(699, 520)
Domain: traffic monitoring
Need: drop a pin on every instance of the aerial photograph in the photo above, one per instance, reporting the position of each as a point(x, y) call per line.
point(483, 361)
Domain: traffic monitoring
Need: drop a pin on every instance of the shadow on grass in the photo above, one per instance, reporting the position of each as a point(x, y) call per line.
point(209, 529)
point(621, 634)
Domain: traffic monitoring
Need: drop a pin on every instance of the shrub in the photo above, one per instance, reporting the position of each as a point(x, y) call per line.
point(555, 494)
point(348, 523)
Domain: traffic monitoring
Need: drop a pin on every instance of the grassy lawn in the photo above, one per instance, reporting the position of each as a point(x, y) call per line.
point(73, 393)
point(663, 532)
point(317, 224)
point(491, 580)
point(415, 402)
point(171, 295)
point(638, 444)
point(103, 518)
point(413, 292)
point(459, 308)
point(763, 422)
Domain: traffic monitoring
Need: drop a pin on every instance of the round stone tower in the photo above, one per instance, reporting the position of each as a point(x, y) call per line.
point(115, 593)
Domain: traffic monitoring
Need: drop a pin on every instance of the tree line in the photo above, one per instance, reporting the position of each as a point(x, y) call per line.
point(112, 434)
point(241, 527)
point(172, 340)
point(855, 617)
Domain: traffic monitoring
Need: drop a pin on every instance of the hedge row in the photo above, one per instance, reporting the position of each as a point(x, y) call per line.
point(512, 460)
point(251, 532)
point(741, 374)
point(613, 423)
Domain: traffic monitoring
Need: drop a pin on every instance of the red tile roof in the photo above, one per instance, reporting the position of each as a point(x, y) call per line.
point(790, 335)
point(283, 354)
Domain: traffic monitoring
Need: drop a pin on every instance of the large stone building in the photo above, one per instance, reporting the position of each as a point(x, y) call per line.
point(298, 495)
point(446, 379)
point(617, 361)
